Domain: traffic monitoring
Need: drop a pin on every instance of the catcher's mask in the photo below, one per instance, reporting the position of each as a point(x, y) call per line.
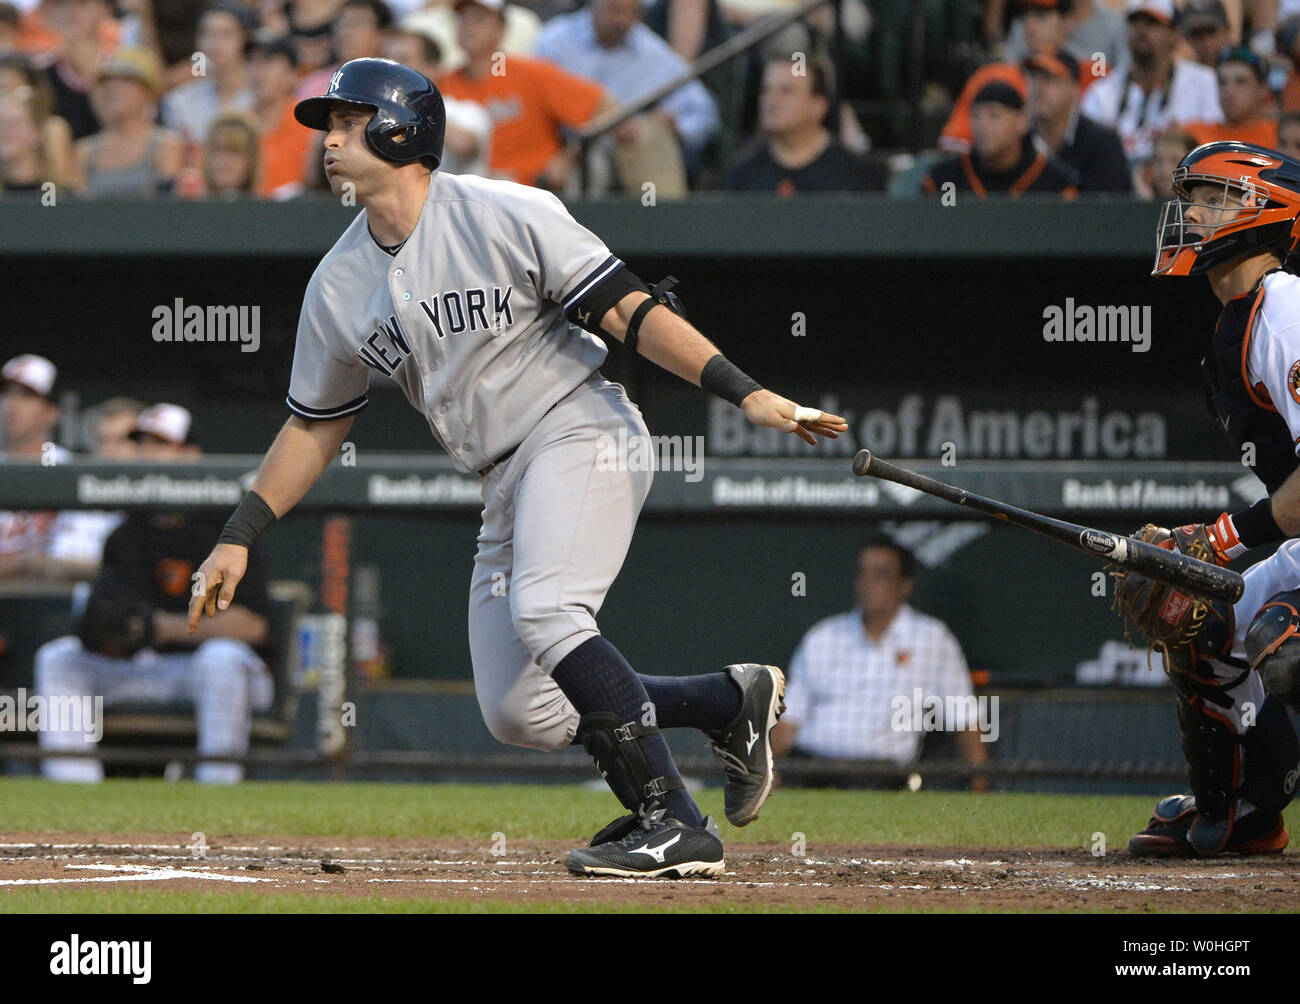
point(1252, 205)
point(1273, 646)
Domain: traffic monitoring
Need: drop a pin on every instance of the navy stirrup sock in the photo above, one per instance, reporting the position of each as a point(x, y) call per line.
point(709, 702)
point(596, 677)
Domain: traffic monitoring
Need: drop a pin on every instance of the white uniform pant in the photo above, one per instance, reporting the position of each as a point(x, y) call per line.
point(225, 680)
point(558, 519)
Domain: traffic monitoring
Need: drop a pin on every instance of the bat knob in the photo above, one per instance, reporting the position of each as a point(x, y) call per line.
point(861, 462)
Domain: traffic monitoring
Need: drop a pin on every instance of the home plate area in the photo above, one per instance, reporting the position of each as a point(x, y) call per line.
point(757, 875)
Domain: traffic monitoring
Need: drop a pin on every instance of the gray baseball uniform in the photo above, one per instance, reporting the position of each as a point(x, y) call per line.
point(468, 317)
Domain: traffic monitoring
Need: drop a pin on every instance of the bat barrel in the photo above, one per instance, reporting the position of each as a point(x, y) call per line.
point(1179, 570)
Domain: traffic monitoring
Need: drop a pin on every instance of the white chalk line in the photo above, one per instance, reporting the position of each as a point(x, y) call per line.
point(133, 873)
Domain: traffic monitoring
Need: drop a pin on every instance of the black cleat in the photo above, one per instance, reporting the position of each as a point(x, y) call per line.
point(1168, 833)
point(661, 846)
point(745, 746)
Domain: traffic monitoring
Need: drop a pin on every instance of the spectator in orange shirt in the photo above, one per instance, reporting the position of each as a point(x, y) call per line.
point(1045, 28)
point(1244, 97)
point(285, 145)
point(530, 100)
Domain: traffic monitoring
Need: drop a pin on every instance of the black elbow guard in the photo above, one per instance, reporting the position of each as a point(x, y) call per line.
point(661, 294)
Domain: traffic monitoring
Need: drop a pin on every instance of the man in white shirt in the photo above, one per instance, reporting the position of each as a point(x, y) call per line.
point(856, 678)
point(1153, 90)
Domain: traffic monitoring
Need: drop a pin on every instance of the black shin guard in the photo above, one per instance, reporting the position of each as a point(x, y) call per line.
point(616, 748)
point(1272, 759)
point(1260, 765)
point(1212, 750)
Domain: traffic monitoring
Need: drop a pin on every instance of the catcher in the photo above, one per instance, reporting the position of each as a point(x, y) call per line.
point(132, 645)
point(1234, 220)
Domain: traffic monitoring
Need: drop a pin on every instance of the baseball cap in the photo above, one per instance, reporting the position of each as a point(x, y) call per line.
point(136, 63)
point(497, 5)
point(1161, 10)
point(270, 46)
point(1199, 14)
point(170, 422)
point(1062, 7)
point(36, 373)
point(1240, 54)
point(1001, 93)
point(1057, 62)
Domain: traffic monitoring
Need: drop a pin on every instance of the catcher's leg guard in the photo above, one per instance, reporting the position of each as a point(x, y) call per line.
point(1242, 756)
point(616, 748)
point(1272, 759)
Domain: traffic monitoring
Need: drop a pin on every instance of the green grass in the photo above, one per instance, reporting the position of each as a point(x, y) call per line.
point(101, 900)
point(536, 812)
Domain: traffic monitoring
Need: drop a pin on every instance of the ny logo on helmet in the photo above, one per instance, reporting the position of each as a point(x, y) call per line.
point(334, 81)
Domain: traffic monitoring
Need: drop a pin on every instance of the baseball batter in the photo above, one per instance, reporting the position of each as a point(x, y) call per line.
point(1234, 220)
point(484, 301)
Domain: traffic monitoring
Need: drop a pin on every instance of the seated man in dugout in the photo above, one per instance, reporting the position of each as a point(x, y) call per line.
point(132, 646)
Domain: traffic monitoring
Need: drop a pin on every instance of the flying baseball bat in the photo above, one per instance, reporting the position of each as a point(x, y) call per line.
point(1178, 570)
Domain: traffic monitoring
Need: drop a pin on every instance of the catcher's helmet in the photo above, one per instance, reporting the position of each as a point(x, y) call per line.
point(1264, 187)
point(409, 121)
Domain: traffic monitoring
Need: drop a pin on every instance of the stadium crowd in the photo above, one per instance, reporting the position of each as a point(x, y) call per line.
point(194, 98)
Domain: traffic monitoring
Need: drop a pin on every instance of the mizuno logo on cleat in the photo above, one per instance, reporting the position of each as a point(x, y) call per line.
point(657, 853)
point(753, 738)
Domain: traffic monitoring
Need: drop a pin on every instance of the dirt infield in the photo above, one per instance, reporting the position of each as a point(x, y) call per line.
point(841, 877)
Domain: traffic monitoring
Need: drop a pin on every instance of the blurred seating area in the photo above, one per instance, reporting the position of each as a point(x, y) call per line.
point(193, 99)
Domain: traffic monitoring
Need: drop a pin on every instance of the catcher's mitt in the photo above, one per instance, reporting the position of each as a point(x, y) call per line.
point(115, 626)
point(1167, 618)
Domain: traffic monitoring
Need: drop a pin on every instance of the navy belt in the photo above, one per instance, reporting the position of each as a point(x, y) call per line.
point(498, 462)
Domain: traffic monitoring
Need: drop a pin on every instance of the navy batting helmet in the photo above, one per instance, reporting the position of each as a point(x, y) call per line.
point(409, 121)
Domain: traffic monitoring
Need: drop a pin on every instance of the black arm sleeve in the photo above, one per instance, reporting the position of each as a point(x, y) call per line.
point(588, 312)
